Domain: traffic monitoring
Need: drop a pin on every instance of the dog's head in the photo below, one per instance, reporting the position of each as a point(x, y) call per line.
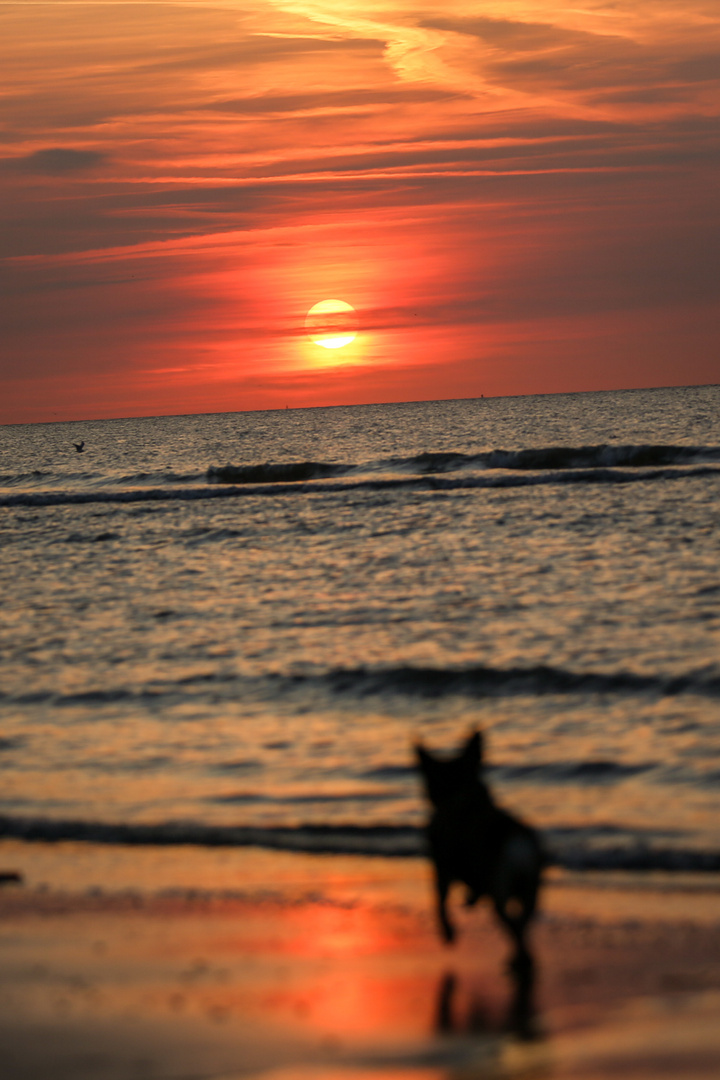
point(445, 778)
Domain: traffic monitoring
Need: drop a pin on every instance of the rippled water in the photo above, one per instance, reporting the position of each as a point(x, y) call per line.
point(192, 651)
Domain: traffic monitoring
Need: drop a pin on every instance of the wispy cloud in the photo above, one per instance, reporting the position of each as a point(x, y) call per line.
point(55, 161)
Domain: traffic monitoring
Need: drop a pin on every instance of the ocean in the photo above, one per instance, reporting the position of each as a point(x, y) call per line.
point(230, 628)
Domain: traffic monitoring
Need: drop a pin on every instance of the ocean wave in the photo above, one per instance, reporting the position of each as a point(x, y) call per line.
point(482, 681)
point(602, 456)
point(46, 478)
point(276, 472)
point(601, 463)
point(161, 476)
point(583, 772)
point(576, 847)
point(25, 479)
point(541, 459)
point(478, 681)
point(425, 483)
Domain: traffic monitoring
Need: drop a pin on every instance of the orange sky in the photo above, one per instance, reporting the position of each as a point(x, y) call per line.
point(520, 201)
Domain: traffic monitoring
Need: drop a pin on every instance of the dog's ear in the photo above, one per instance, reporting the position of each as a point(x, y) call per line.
point(472, 752)
point(432, 772)
point(424, 759)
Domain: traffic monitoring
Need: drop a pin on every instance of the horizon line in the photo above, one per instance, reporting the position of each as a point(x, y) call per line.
point(357, 405)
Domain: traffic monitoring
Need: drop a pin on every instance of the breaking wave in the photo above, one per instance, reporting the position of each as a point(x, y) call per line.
point(427, 483)
point(603, 464)
point(40, 479)
point(553, 457)
point(597, 847)
point(480, 681)
point(477, 681)
point(279, 472)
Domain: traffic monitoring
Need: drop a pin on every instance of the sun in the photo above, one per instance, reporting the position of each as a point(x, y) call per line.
point(331, 323)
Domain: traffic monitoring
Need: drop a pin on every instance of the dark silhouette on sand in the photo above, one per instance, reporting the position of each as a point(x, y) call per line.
point(475, 842)
point(10, 877)
point(79, 446)
point(518, 1019)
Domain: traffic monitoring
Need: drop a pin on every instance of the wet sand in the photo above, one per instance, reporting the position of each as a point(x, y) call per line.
point(119, 963)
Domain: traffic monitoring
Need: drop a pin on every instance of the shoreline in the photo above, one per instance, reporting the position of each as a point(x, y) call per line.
point(182, 963)
point(255, 872)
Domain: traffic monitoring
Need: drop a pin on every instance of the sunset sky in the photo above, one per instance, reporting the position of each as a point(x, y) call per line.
point(516, 196)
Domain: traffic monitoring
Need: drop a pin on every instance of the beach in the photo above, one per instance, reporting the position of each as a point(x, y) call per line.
point(208, 963)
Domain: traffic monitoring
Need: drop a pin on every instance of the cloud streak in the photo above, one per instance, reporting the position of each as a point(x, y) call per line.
point(55, 161)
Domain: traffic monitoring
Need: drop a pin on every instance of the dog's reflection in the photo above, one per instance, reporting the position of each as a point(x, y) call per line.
point(519, 1018)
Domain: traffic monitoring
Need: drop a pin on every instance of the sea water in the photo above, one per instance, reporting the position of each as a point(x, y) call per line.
point(231, 628)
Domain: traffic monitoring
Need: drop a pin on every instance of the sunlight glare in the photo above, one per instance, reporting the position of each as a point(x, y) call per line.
point(331, 323)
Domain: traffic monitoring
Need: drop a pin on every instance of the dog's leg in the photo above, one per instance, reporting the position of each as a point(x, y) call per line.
point(514, 916)
point(514, 893)
point(471, 896)
point(521, 1013)
point(445, 1022)
point(442, 884)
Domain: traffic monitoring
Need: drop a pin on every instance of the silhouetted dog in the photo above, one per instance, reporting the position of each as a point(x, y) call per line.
point(473, 841)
